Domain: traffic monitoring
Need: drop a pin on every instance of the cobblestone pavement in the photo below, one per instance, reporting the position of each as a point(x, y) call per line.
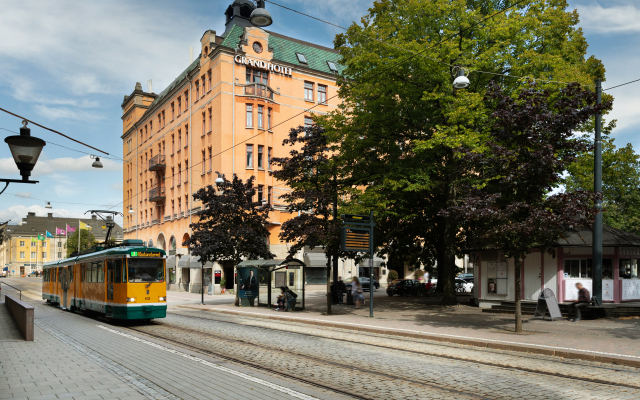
point(199, 354)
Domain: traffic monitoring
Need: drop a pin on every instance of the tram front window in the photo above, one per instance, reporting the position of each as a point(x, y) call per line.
point(141, 270)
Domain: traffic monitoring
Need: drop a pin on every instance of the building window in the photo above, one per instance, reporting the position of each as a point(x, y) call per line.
point(260, 151)
point(33, 254)
point(210, 159)
point(173, 175)
point(203, 161)
point(269, 150)
point(203, 90)
point(186, 170)
point(301, 58)
point(22, 254)
point(269, 118)
point(179, 174)
point(257, 76)
point(59, 245)
point(249, 116)
point(249, 156)
point(186, 136)
point(332, 66)
point(22, 243)
point(308, 91)
point(173, 144)
point(203, 124)
point(186, 99)
point(173, 111)
point(180, 205)
point(308, 121)
point(322, 94)
point(210, 121)
point(44, 245)
point(209, 78)
point(186, 203)
point(164, 121)
point(260, 112)
point(44, 255)
point(179, 105)
point(628, 269)
point(197, 89)
point(179, 139)
point(59, 254)
point(260, 193)
point(269, 195)
point(173, 207)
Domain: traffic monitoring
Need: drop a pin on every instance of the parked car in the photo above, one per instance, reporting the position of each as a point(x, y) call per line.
point(463, 286)
point(364, 282)
point(401, 287)
point(466, 277)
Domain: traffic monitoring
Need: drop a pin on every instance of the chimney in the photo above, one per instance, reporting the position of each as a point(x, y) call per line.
point(31, 214)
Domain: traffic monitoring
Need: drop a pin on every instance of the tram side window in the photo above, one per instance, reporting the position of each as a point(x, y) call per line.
point(110, 271)
point(100, 271)
point(83, 272)
point(94, 273)
point(71, 273)
point(119, 273)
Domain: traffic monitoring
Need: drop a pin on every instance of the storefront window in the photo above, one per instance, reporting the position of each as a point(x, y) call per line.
point(316, 276)
point(607, 268)
point(629, 269)
point(172, 275)
point(583, 268)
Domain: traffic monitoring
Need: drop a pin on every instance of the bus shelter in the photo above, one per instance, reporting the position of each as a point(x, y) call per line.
point(275, 273)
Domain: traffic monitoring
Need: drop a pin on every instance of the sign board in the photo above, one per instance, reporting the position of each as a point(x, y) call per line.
point(501, 269)
point(355, 239)
point(218, 273)
point(607, 290)
point(570, 290)
point(630, 289)
point(248, 282)
point(547, 303)
point(263, 65)
point(146, 254)
point(356, 218)
point(492, 271)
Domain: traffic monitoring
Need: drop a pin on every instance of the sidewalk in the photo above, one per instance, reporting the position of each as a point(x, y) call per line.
point(610, 341)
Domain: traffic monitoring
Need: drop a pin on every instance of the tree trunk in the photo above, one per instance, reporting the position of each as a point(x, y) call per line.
point(518, 268)
point(447, 263)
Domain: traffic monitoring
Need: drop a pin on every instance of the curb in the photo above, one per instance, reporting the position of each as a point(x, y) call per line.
point(496, 345)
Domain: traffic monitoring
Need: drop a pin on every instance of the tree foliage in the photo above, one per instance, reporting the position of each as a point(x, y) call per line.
point(401, 121)
point(532, 139)
point(87, 241)
point(231, 223)
point(312, 175)
point(620, 183)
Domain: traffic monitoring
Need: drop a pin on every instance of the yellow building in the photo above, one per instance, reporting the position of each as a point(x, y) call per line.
point(228, 111)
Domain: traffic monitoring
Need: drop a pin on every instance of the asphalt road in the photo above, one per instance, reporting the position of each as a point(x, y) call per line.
point(335, 363)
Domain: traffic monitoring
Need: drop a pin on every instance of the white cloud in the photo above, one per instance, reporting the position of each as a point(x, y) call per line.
point(17, 212)
point(24, 194)
point(617, 19)
point(54, 167)
point(69, 113)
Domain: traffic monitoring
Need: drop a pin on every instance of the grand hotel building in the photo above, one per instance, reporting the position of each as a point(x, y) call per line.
point(222, 113)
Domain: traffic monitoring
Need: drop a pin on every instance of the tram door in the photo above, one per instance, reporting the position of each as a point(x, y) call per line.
point(64, 283)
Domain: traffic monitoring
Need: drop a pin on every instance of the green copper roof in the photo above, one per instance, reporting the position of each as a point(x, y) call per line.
point(285, 50)
point(176, 81)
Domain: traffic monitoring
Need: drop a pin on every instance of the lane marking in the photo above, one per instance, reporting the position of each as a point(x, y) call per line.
point(259, 381)
point(293, 319)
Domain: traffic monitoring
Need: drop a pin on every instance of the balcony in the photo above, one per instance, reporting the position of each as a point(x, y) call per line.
point(258, 89)
point(157, 194)
point(157, 163)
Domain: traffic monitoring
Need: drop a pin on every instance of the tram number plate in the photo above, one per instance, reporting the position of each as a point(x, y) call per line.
point(147, 298)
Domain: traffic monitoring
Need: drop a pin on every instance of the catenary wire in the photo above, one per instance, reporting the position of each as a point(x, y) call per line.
point(622, 84)
point(53, 130)
point(332, 97)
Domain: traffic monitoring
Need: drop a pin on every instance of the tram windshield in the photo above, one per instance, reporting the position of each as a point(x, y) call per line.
point(146, 270)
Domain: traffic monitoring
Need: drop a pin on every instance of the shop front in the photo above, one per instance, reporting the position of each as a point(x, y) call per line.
point(571, 264)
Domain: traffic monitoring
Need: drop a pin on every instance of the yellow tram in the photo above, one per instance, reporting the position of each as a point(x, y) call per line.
point(124, 282)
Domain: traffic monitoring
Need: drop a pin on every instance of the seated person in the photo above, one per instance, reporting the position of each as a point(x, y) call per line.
point(280, 302)
point(289, 297)
point(428, 285)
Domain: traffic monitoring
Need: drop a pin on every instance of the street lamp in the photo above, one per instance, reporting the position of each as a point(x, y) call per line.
point(219, 180)
point(25, 150)
point(96, 163)
point(461, 80)
point(48, 205)
point(261, 17)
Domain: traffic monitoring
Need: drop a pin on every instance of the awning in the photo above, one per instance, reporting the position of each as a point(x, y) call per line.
point(315, 260)
point(377, 262)
point(196, 264)
point(271, 265)
point(171, 262)
point(184, 262)
point(5, 269)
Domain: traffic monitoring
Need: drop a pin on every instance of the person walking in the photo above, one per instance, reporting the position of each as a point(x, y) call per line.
point(341, 289)
point(357, 292)
point(584, 298)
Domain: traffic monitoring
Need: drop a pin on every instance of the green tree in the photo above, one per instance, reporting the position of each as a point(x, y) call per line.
point(620, 183)
point(400, 120)
point(87, 241)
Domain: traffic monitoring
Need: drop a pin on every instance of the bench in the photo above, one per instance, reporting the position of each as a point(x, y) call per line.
point(22, 314)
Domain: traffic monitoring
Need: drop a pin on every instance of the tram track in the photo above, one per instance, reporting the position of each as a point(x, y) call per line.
point(280, 373)
point(413, 351)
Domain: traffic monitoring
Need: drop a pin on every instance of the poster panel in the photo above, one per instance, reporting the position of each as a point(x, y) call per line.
point(248, 282)
point(492, 272)
point(501, 268)
point(607, 290)
point(631, 289)
point(570, 290)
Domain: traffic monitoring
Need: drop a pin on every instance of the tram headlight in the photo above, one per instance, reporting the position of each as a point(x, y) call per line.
point(161, 298)
point(131, 299)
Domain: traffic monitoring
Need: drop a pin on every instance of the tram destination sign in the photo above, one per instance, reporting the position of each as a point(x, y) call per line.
point(355, 239)
point(146, 254)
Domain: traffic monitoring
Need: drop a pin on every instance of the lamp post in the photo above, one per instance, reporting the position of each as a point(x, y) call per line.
point(25, 150)
point(134, 218)
point(597, 187)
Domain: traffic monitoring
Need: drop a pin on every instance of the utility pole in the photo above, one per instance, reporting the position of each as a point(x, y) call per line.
point(597, 187)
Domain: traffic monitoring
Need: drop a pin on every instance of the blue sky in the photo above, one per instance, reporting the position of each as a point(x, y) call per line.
point(68, 64)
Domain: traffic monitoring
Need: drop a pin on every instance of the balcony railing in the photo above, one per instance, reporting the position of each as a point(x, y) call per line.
point(157, 163)
point(157, 194)
point(258, 89)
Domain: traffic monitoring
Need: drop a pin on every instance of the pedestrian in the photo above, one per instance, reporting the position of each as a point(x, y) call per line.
point(357, 292)
point(341, 289)
point(584, 298)
point(289, 298)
